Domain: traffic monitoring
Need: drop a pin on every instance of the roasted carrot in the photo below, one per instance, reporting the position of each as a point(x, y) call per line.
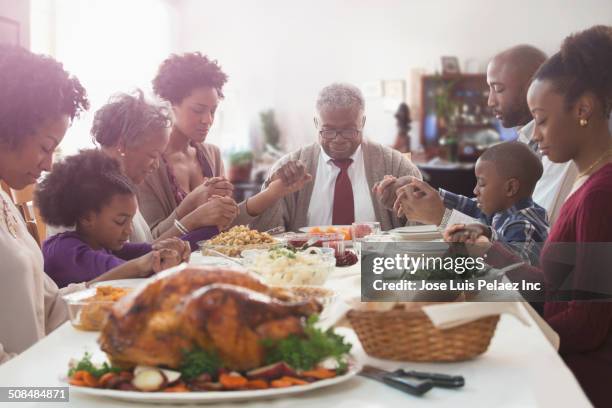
point(91, 381)
point(77, 383)
point(232, 381)
point(86, 377)
point(257, 385)
point(319, 373)
point(294, 381)
point(179, 387)
point(78, 375)
point(106, 379)
point(281, 383)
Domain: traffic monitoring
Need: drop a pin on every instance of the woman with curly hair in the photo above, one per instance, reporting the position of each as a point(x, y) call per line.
point(38, 99)
point(135, 132)
point(88, 190)
point(570, 99)
point(189, 188)
point(191, 171)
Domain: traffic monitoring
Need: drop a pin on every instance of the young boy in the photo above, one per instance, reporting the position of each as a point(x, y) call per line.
point(506, 175)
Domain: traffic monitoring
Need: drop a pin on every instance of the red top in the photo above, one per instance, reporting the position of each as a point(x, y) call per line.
point(585, 328)
point(586, 217)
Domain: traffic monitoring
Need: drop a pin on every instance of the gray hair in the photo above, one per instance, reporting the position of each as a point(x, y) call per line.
point(126, 118)
point(341, 96)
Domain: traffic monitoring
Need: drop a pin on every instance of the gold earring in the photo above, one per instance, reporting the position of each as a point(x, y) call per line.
point(583, 122)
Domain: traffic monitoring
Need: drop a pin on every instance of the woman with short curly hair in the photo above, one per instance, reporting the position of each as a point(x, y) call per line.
point(190, 189)
point(173, 195)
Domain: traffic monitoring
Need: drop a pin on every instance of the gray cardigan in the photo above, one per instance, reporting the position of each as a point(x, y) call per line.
point(291, 211)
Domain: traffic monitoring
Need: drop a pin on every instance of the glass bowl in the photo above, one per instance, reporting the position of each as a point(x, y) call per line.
point(284, 269)
point(324, 296)
point(88, 309)
point(334, 240)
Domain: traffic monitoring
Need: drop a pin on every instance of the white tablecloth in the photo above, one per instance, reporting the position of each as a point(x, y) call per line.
point(520, 369)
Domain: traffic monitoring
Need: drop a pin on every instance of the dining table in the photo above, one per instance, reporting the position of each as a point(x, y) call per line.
point(521, 368)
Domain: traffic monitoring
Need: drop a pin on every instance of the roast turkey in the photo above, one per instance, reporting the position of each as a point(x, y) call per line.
point(222, 309)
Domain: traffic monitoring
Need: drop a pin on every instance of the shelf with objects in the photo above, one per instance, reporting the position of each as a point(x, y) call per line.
point(456, 127)
point(456, 123)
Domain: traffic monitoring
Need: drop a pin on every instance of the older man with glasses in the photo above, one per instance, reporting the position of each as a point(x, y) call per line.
point(344, 168)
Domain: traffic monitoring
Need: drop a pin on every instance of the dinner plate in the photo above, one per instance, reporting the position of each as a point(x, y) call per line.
point(323, 228)
point(417, 229)
point(348, 243)
point(417, 237)
point(417, 233)
point(211, 397)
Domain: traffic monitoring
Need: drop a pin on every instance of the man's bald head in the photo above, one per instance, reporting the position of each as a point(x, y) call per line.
point(508, 75)
point(523, 59)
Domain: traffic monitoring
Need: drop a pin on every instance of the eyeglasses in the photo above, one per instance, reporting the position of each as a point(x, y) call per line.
point(329, 134)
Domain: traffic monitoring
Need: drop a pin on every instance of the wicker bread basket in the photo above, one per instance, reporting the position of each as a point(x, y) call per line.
point(409, 335)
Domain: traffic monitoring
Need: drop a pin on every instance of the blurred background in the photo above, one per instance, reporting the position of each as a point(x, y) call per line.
point(420, 64)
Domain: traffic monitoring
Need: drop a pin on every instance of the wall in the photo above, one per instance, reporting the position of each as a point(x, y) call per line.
point(18, 10)
point(107, 44)
point(279, 53)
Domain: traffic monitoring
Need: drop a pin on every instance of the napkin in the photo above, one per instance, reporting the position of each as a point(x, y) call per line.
point(448, 315)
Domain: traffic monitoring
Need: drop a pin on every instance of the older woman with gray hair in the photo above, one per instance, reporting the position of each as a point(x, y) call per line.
point(136, 132)
point(344, 167)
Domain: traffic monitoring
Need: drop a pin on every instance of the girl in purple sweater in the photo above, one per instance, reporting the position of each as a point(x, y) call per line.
point(89, 191)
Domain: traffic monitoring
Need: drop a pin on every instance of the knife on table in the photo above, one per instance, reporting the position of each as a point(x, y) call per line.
point(438, 380)
point(412, 386)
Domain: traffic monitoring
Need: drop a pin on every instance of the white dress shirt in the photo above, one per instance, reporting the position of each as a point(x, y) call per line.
point(321, 205)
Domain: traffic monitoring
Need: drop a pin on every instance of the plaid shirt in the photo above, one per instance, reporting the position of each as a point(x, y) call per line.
point(523, 227)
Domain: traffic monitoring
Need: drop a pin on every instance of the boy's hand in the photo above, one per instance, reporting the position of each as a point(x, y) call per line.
point(468, 233)
point(477, 237)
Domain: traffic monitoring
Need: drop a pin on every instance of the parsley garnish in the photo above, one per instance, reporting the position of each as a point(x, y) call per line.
point(198, 361)
point(305, 352)
point(85, 364)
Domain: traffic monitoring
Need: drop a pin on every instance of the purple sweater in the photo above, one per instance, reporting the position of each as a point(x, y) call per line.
point(68, 259)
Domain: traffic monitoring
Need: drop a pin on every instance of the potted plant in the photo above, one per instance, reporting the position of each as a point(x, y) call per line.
point(241, 164)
